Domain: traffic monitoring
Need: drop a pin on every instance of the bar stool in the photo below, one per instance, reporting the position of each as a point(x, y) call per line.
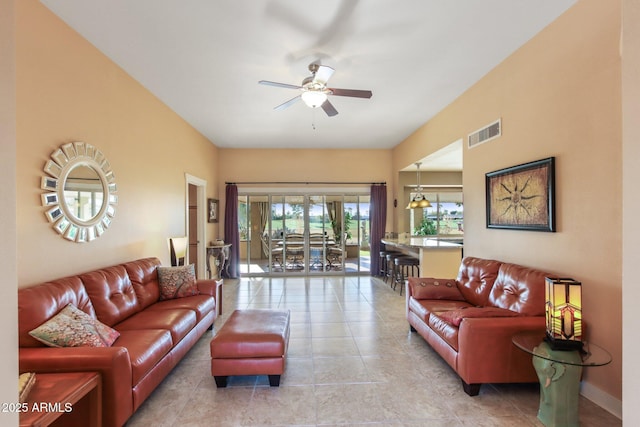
point(402, 266)
point(382, 271)
point(391, 266)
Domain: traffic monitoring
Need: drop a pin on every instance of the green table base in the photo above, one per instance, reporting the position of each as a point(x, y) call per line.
point(559, 386)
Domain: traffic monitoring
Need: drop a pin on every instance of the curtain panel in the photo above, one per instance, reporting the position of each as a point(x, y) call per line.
point(377, 223)
point(231, 232)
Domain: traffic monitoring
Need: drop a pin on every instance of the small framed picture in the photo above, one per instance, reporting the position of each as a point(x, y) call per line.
point(213, 210)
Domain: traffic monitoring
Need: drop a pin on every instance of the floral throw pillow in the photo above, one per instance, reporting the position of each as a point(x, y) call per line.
point(72, 327)
point(108, 334)
point(177, 282)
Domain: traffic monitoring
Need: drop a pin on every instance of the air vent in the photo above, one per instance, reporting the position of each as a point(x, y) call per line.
point(487, 133)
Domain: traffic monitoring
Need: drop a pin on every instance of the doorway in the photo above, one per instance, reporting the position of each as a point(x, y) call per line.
point(195, 214)
point(304, 234)
point(192, 234)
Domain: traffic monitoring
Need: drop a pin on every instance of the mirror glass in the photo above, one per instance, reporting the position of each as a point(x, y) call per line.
point(83, 193)
point(79, 192)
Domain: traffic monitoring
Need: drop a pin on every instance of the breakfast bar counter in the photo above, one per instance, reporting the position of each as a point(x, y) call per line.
point(438, 257)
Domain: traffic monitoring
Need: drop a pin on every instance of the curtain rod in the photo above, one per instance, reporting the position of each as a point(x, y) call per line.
point(303, 183)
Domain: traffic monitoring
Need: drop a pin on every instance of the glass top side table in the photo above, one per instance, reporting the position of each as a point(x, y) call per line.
point(559, 373)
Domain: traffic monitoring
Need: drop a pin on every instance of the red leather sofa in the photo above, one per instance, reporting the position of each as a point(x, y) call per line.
point(470, 320)
point(154, 334)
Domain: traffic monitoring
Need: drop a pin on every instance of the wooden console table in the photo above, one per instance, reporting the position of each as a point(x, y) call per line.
point(221, 254)
point(54, 396)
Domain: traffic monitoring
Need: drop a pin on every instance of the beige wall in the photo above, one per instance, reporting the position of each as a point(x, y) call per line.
point(559, 95)
point(631, 207)
point(68, 91)
point(8, 256)
point(287, 165)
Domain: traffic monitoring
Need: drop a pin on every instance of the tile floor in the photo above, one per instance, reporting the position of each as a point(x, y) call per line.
point(351, 361)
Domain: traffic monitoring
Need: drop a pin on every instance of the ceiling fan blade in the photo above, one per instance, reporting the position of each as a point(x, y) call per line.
point(323, 74)
point(276, 84)
point(351, 92)
point(288, 103)
point(329, 108)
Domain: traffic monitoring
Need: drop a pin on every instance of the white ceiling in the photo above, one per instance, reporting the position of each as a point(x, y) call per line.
point(204, 58)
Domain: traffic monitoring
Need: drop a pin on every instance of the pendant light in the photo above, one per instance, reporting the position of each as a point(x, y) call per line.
point(419, 200)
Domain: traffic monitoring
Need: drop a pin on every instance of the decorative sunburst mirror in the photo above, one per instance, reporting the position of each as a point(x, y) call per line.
point(79, 194)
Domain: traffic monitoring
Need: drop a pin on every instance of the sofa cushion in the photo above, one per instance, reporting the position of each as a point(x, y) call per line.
point(178, 321)
point(200, 304)
point(72, 327)
point(431, 288)
point(423, 308)
point(519, 289)
point(444, 330)
point(454, 317)
point(37, 304)
point(146, 347)
point(143, 274)
point(475, 279)
point(111, 293)
point(420, 310)
point(177, 282)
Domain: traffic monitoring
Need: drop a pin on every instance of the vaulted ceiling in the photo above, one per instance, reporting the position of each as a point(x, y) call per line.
point(204, 58)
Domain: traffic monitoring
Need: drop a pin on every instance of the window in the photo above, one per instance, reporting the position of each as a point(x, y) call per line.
point(444, 217)
point(304, 233)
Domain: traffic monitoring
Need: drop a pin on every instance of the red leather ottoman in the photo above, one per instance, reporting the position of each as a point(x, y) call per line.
point(251, 342)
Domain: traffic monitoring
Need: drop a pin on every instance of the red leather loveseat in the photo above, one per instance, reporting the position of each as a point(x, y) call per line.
point(154, 334)
point(470, 320)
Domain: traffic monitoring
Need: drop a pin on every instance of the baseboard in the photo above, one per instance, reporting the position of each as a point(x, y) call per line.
point(602, 399)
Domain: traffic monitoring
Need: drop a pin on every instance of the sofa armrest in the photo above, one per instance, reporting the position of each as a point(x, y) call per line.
point(486, 352)
point(208, 287)
point(213, 288)
point(112, 363)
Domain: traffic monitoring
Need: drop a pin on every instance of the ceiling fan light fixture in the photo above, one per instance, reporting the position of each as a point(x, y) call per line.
point(313, 98)
point(314, 90)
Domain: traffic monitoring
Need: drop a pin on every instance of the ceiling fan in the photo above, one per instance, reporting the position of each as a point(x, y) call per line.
point(314, 90)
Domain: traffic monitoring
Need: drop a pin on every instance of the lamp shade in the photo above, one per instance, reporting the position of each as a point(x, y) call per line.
point(178, 249)
point(424, 203)
point(419, 201)
point(314, 98)
point(563, 311)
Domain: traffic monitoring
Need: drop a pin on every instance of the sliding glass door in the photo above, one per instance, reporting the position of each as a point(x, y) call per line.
point(293, 234)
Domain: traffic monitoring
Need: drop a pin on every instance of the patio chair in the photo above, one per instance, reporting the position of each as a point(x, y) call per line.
point(276, 252)
point(334, 258)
